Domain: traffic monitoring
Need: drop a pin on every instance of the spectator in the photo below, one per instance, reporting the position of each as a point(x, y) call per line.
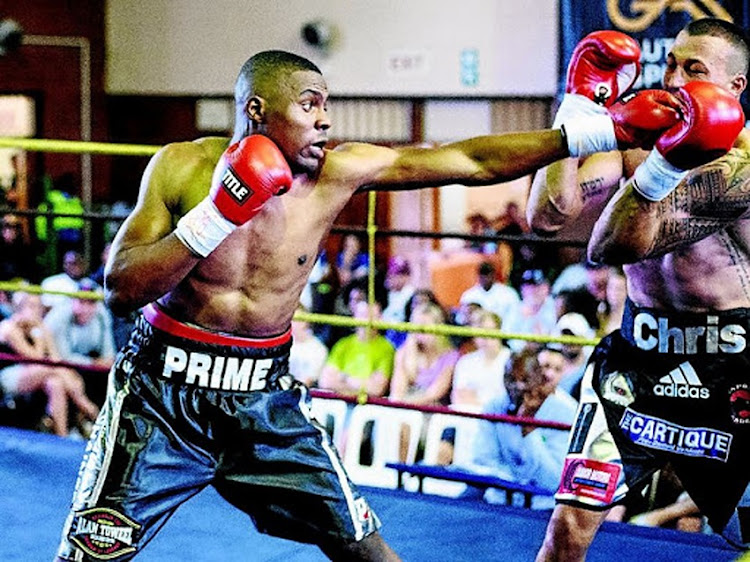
point(522, 453)
point(400, 290)
point(17, 255)
point(479, 225)
point(25, 334)
point(580, 301)
point(361, 362)
point(63, 200)
point(536, 314)
point(82, 329)
point(98, 275)
point(612, 307)
point(477, 377)
point(74, 269)
point(576, 356)
point(424, 363)
point(490, 294)
point(308, 354)
point(352, 263)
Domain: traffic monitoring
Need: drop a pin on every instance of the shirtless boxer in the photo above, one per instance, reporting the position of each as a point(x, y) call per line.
point(201, 394)
point(671, 385)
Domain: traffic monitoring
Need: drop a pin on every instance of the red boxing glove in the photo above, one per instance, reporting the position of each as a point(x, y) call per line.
point(603, 66)
point(248, 174)
point(642, 117)
point(713, 118)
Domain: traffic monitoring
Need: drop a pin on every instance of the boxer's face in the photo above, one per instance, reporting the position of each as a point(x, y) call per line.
point(296, 118)
point(702, 57)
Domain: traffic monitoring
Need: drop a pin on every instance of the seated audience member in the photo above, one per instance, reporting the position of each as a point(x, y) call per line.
point(82, 329)
point(400, 290)
point(479, 225)
point(536, 313)
point(490, 294)
point(98, 275)
point(308, 354)
point(423, 370)
point(344, 304)
point(478, 375)
point(580, 301)
point(351, 263)
point(522, 453)
point(17, 257)
point(576, 356)
point(361, 362)
point(25, 334)
point(74, 269)
point(420, 297)
point(612, 308)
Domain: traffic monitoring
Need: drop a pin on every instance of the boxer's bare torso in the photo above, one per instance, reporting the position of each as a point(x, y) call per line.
point(695, 245)
point(252, 282)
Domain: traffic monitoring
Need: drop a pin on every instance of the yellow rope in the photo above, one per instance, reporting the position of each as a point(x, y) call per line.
point(346, 321)
point(66, 146)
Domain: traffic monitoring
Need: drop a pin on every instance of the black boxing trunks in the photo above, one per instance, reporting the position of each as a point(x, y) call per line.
point(667, 387)
point(186, 408)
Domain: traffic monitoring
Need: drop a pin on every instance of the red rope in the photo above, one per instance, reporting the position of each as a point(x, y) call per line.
point(516, 420)
point(318, 393)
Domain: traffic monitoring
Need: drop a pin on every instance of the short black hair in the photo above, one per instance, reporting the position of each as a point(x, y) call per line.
point(731, 33)
point(259, 75)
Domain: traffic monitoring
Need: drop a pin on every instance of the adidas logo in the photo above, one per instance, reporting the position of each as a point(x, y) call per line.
point(682, 382)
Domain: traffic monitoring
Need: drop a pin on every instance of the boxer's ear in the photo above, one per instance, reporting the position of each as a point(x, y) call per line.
point(256, 110)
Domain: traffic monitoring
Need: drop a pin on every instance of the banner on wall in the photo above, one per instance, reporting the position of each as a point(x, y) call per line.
point(653, 23)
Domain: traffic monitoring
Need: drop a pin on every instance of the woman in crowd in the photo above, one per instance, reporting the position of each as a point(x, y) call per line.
point(25, 334)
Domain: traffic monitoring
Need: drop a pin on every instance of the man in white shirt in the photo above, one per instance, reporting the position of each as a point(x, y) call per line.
point(490, 294)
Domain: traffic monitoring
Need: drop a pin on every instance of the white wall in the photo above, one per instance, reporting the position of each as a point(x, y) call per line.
point(384, 47)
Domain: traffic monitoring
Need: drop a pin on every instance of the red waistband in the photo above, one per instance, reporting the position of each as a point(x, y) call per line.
point(160, 320)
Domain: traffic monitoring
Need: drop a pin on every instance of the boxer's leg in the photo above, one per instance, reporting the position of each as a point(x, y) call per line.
point(569, 533)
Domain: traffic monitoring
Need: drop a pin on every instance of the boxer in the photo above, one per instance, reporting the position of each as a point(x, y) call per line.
point(217, 251)
point(667, 386)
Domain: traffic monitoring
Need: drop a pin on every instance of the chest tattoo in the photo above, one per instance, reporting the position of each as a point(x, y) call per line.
point(301, 260)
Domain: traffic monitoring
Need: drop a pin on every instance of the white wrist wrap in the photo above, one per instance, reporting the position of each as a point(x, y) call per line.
point(575, 105)
point(588, 134)
point(587, 126)
point(203, 228)
point(655, 178)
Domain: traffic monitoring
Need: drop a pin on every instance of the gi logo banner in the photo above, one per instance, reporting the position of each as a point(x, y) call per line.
point(653, 23)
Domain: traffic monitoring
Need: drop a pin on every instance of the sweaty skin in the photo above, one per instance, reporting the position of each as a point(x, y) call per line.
point(250, 285)
point(691, 251)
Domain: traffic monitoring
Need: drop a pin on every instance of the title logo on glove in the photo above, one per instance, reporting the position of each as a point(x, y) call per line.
point(238, 189)
point(645, 12)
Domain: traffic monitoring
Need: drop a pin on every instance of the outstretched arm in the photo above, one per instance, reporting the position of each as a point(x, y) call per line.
point(477, 161)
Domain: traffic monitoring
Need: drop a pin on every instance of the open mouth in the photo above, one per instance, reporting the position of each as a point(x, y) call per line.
point(316, 149)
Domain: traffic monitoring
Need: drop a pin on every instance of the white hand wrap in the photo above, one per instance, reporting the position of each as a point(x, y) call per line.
point(587, 125)
point(203, 228)
point(655, 178)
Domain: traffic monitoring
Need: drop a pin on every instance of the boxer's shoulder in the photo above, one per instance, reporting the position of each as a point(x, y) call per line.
point(354, 164)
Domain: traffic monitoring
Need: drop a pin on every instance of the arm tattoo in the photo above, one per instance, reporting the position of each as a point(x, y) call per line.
point(710, 198)
point(591, 188)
